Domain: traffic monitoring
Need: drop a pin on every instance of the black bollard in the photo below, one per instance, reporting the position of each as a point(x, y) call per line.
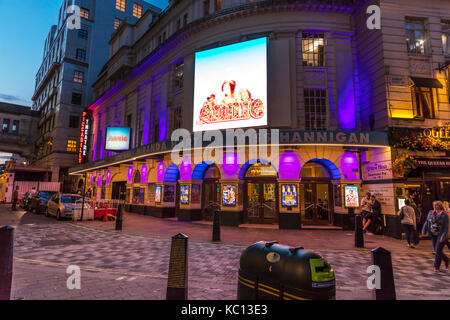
point(119, 218)
point(359, 237)
point(177, 288)
point(382, 258)
point(216, 226)
point(6, 261)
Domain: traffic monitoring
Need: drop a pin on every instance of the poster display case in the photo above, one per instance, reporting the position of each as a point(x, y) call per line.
point(184, 194)
point(351, 196)
point(229, 195)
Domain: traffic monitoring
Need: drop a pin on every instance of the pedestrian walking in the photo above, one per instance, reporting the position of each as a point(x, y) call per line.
point(436, 227)
point(15, 198)
point(408, 221)
point(418, 220)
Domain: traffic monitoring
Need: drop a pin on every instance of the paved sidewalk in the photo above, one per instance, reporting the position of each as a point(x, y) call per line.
point(133, 263)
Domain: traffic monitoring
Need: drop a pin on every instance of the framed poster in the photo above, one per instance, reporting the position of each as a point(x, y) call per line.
point(289, 195)
point(184, 194)
point(169, 193)
point(229, 195)
point(195, 197)
point(351, 196)
point(158, 194)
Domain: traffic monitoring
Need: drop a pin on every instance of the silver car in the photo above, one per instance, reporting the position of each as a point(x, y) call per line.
point(62, 205)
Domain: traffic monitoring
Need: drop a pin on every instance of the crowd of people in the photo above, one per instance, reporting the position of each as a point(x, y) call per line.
point(436, 225)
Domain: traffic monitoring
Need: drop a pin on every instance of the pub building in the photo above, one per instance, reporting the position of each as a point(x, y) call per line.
point(422, 168)
point(304, 72)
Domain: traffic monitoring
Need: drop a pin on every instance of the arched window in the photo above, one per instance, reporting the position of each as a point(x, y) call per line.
point(314, 170)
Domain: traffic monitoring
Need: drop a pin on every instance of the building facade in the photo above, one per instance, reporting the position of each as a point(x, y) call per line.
point(72, 60)
point(310, 79)
point(19, 124)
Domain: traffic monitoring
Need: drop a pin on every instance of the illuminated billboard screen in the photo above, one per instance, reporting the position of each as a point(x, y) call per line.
point(117, 139)
point(230, 89)
point(351, 196)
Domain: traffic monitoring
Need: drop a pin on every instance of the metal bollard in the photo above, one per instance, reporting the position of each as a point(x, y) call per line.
point(178, 272)
point(382, 258)
point(216, 226)
point(359, 237)
point(119, 218)
point(6, 261)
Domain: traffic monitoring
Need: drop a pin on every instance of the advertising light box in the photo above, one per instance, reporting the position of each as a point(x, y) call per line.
point(117, 139)
point(158, 194)
point(229, 195)
point(230, 88)
point(351, 196)
point(289, 195)
point(184, 194)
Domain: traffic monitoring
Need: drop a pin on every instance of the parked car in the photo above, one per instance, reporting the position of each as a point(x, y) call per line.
point(25, 201)
point(62, 205)
point(39, 201)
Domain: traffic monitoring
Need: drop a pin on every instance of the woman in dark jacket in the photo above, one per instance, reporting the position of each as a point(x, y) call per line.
point(436, 226)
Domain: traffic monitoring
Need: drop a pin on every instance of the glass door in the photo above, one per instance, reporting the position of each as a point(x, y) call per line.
point(210, 199)
point(269, 203)
point(253, 205)
point(262, 202)
point(315, 203)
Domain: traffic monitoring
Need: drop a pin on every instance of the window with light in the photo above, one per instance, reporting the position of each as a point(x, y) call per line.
point(137, 10)
point(71, 145)
point(120, 5)
point(313, 49)
point(416, 36)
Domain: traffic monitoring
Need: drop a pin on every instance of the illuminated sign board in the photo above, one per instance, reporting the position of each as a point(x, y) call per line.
point(158, 194)
point(230, 88)
point(184, 194)
point(117, 139)
point(289, 195)
point(351, 196)
point(84, 137)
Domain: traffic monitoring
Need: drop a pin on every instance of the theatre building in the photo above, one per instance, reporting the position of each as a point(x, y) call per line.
point(308, 79)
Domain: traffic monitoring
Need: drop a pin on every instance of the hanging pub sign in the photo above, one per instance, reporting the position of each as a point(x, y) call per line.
point(84, 137)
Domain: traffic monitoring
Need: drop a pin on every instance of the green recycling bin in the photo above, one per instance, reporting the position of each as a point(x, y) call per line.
point(272, 271)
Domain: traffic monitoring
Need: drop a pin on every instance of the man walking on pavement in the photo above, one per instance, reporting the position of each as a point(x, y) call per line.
point(15, 198)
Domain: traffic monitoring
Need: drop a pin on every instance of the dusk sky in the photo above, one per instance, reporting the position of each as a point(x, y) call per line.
point(24, 25)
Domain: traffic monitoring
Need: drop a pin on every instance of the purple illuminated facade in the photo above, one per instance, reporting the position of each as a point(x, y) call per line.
point(317, 91)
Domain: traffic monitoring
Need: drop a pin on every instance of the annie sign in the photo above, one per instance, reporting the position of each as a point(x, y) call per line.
point(231, 86)
point(117, 139)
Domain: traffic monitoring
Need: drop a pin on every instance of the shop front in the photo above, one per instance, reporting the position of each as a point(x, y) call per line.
point(421, 166)
point(307, 184)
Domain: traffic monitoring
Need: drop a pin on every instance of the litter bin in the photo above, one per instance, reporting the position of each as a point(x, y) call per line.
point(271, 271)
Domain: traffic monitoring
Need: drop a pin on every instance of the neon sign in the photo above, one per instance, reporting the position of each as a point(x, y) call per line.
point(84, 137)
